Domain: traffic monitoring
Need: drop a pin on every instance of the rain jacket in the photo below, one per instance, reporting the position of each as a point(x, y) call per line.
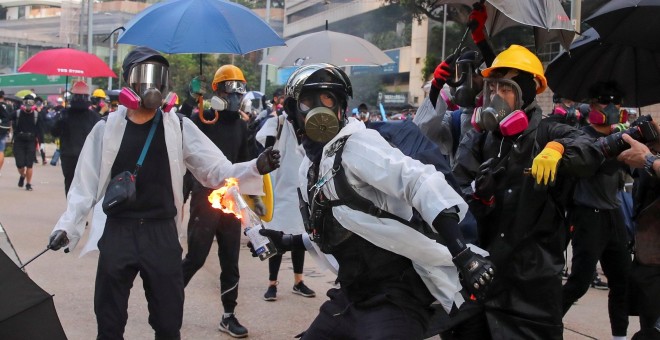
point(523, 229)
point(187, 147)
point(395, 183)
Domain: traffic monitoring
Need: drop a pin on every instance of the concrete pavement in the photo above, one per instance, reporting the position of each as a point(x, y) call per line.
point(28, 218)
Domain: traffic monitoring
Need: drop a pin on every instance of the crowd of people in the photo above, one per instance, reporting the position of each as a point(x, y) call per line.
point(461, 233)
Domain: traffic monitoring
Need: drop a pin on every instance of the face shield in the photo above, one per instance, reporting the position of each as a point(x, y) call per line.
point(149, 81)
point(502, 97)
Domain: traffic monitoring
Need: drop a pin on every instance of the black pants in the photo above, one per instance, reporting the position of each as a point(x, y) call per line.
point(375, 319)
point(205, 223)
point(68, 169)
point(148, 247)
point(274, 262)
point(600, 235)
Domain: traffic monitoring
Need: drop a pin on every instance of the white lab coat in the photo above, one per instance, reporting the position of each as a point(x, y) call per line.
point(396, 183)
point(192, 150)
point(286, 211)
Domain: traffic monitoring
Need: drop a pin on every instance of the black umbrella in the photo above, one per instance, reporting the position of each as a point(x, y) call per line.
point(636, 70)
point(630, 22)
point(27, 312)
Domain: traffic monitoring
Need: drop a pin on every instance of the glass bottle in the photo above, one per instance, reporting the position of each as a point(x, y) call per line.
point(251, 224)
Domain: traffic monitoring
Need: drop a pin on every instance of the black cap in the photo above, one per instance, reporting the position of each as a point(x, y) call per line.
point(28, 97)
point(138, 55)
point(2, 93)
point(278, 92)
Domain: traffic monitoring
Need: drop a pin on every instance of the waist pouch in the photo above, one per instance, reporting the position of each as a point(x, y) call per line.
point(120, 193)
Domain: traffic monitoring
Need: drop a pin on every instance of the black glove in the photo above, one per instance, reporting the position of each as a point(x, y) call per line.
point(487, 180)
point(268, 161)
point(475, 272)
point(58, 240)
point(443, 71)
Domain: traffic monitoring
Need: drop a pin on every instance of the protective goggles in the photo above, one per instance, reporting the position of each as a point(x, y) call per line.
point(232, 86)
point(148, 75)
point(28, 102)
point(503, 87)
point(606, 99)
point(308, 101)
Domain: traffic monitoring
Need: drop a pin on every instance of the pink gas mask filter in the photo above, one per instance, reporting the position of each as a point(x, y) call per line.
point(129, 98)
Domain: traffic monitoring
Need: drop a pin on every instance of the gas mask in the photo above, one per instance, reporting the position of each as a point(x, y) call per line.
point(234, 91)
point(569, 112)
point(320, 111)
point(170, 101)
point(463, 83)
point(28, 105)
point(608, 115)
point(147, 82)
point(496, 112)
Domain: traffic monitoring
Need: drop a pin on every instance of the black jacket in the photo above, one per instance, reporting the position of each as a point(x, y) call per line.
point(72, 127)
point(523, 230)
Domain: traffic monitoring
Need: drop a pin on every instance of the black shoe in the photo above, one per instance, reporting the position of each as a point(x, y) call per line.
point(271, 293)
point(28, 187)
point(303, 290)
point(21, 180)
point(598, 284)
point(233, 327)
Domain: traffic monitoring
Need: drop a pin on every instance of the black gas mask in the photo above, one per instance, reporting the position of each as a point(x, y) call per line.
point(317, 114)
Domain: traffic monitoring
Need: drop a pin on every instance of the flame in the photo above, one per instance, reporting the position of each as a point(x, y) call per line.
point(226, 203)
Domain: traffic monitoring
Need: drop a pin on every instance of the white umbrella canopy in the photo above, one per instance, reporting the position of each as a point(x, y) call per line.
point(327, 47)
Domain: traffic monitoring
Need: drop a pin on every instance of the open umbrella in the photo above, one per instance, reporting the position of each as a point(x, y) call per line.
point(547, 17)
point(199, 26)
point(27, 312)
point(636, 70)
point(67, 62)
point(23, 93)
point(630, 22)
point(327, 47)
point(253, 95)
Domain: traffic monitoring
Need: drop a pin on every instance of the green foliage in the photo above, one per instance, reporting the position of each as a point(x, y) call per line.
point(434, 51)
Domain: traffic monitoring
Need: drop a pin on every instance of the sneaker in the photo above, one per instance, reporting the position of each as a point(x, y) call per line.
point(28, 187)
point(303, 290)
point(598, 284)
point(271, 293)
point(231, 326)
point(21, 180)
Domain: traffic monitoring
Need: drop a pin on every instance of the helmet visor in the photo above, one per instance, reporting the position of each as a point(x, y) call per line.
point(148, 75)
point(233, 86)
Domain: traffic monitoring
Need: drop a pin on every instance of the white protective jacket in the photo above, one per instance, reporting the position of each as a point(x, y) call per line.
point(396, 183)
point(189, 148)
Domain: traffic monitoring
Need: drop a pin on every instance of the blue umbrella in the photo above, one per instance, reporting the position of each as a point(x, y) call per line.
point(199, 26)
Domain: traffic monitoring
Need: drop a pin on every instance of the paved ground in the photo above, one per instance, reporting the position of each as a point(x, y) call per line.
point(28, 218)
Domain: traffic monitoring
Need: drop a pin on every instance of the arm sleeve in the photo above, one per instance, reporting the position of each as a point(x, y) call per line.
point(581, 157)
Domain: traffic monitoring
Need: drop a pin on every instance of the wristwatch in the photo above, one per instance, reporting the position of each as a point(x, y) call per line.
point(648, 164)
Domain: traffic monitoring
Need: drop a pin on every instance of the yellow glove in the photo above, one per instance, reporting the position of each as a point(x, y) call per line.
point(544, 166)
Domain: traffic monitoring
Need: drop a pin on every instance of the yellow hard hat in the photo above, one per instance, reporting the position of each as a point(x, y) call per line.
point(520, 58)
point(227, 72)
point(98, 93)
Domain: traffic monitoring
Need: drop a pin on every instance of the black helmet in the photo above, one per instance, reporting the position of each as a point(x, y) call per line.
point(319, 76)
point(315, 77)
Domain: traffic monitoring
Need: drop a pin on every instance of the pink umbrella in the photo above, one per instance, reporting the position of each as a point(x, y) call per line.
point(67, 62)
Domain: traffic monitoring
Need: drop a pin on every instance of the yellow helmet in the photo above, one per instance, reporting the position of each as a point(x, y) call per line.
point(520, 58)
point(99, 93)
point(227, 72)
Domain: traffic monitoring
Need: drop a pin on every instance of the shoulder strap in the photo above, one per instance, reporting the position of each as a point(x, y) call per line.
point(154, 124)
point(348, 195)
